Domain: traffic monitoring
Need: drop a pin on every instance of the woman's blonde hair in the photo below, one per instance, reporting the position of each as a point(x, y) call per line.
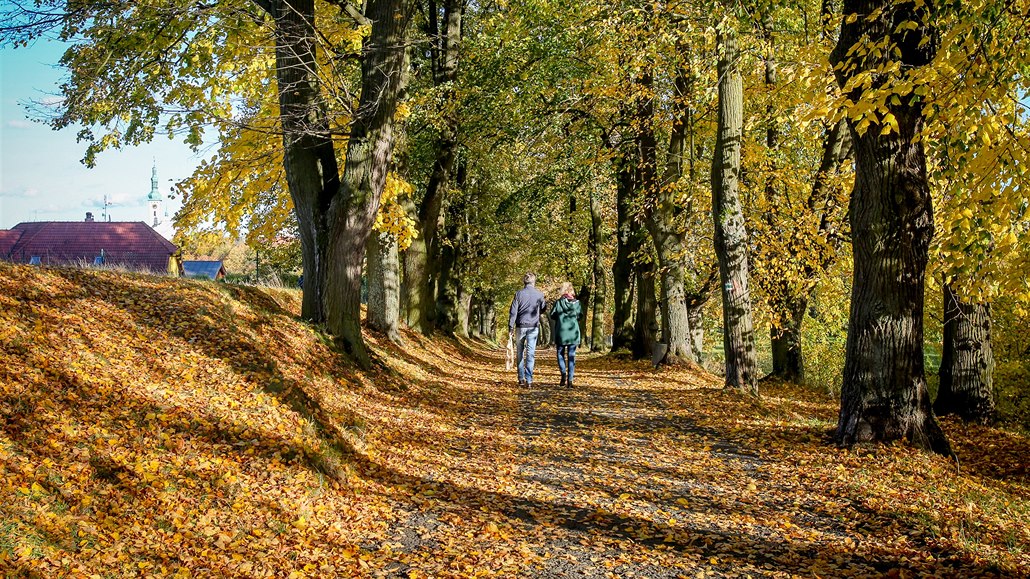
point(566, 288)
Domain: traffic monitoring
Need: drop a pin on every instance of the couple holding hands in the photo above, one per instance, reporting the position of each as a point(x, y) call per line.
point(524, 329)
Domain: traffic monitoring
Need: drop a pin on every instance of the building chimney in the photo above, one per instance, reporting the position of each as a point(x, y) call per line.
point(89, 216)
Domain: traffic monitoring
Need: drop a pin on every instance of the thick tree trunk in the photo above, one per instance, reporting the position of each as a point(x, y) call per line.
point(664, 222)
point(695, 303)
point(413, 291)
point(450, 278)
point(730, 233)
point(884, 395)
point(353, 211)
point(424, 261)
point(785, 335)
point(462, 308)
point(596, 249)
point(446, 303)
point(646, 320)
point(675, 315)
point(584, 296)
point(790, 301)
point(383, 284)
point(697, 333)
point(622, 270)
point(967, 363)
point(309, 160)
point(487, 317)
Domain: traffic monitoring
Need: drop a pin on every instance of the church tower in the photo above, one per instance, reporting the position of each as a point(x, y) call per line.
point(157, 215)
point(154, 200)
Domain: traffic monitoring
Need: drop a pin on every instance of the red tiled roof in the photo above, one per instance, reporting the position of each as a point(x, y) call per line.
point(8, 237)
point(130, 244)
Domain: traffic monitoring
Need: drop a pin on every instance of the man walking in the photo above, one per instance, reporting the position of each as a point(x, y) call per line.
point(523, 321)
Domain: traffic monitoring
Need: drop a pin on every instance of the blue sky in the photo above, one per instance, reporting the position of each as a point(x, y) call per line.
point(41, 177)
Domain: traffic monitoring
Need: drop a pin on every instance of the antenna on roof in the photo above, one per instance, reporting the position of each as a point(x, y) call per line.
point(105, 214)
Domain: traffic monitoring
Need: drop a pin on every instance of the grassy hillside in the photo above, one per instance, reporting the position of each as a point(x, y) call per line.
point(159, 427)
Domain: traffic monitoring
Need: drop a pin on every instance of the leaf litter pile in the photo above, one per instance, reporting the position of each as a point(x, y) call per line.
point(157, 427)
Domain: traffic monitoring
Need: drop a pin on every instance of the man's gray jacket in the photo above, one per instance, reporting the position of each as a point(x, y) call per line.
point(526, 308)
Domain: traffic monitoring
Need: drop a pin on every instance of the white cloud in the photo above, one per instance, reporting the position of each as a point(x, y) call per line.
point(51, 101)
point(115, 200)
point(21, 192)
point(19, 124)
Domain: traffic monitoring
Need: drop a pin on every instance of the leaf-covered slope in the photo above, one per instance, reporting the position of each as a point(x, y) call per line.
point(158, 427)
point(148, 420)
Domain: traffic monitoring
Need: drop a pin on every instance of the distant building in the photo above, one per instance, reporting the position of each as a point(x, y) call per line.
point(203, 269)
point(157, 210)
point(133, 245)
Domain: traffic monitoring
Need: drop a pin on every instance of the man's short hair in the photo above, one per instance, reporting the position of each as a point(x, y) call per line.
point(529, 278)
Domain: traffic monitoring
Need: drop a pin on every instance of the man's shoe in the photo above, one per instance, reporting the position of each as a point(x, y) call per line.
point(562, 383)
point(570, 385)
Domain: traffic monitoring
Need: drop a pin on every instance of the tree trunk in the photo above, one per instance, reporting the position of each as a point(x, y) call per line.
point(646, 322)
point(487, 320)
point(884, 395)
point(788, 359)
point(730, 233)
point(426, 258)
point(585, 298)
point(622, 270)
point(967, 363)
point(462, 309)
point(675, 315)
point(664, 222)
point(785, 335)
point(695, 303)
point(697, 333)
point(353, 211)
point(446, 303)
point(596, 250)
point(383, 284)
point(413, 293)
point(309, 159)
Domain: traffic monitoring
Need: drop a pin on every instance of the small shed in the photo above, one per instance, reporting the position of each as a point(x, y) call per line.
point(203, 269)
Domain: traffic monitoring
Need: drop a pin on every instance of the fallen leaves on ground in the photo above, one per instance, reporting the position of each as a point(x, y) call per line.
point(156, 427)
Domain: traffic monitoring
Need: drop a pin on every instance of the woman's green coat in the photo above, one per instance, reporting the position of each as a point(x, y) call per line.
point(566, 314)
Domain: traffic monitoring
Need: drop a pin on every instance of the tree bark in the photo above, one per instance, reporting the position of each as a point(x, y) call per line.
point(697, 333)
point(487, 320)
point(425, 259)
point(596, 250)
point(446, 302)
point(622, 270)
point(785, 335)
point(730, 233)
point(309, 159)
point(967, 363)
point(884, 395)
point(383, 285)
point(369, 146)
point(585, 297)
point(695, 303)
point(413, 265)
point(646, 322)
point(663, 219)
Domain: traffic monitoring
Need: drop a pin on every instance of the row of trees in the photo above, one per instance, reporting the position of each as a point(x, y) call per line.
point(689, 148)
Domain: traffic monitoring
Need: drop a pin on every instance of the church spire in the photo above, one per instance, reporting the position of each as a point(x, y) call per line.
point(155, 195)
point(154, 200)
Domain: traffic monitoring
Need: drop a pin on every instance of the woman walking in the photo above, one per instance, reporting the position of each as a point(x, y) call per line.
point(566, 313)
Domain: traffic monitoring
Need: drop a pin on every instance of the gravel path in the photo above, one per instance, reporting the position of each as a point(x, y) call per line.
point(625, 476)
